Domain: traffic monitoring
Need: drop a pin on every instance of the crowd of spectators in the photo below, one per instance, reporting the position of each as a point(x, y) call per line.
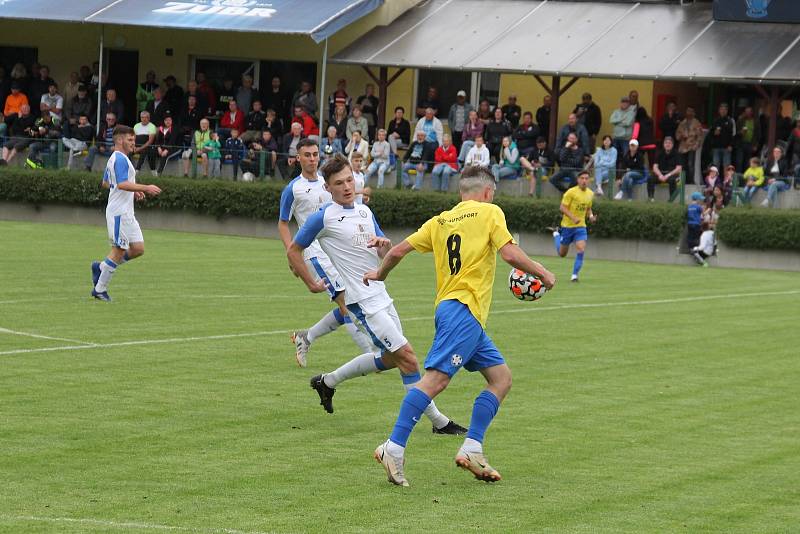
point(256, 131)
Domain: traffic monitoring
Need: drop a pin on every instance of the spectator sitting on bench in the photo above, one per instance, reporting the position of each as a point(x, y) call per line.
point(538, 164)
point(199, 139)
point(667, 169)
point(570, 162)
point(167, 142)
point(605, 163)
point(472, 129)
point(81, 135)
point(380, 158)
point(776, 172)
point(46, 132)
point(633, 165)
point(145, 132)
point(104, 144)
point(399, 130)
point(330, 145)
point(20, 134)
point(478, 155)
point(419, 153)
point(357, 144)
point(754, 179)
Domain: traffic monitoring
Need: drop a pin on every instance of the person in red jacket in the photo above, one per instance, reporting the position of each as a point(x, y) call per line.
point(232, 120)
point(445, 164)
point(310, 127)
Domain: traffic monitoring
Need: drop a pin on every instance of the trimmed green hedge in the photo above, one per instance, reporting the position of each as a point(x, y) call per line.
point(738, 227)
point(760, 229)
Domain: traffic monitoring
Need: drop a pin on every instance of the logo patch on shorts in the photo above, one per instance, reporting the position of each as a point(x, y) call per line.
point(456, 360)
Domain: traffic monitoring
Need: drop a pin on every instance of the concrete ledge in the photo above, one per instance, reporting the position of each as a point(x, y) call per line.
point(534, 244)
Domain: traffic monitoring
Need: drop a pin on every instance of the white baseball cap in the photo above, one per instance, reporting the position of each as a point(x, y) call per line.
point(461, 93)
point(633, 142)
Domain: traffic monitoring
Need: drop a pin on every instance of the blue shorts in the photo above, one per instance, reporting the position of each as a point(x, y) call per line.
point(570, 235)
point(460, 341)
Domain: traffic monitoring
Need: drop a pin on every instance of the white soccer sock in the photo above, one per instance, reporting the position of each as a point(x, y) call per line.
point(470, 445)
point(394, 449)
point(361, 339)
point(106, 272)
point(326, 325)
point(438, 419)
point(358, 366)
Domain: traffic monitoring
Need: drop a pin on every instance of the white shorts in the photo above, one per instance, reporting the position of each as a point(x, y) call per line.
point(383, 326)
point(320, 267)
point(123, 230)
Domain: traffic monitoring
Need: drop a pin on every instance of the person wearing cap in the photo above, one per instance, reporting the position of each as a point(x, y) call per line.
point(144, 91)
point(457, 118)
point(14, 102)
point(511, 111)
point(711, 181)
point(667, 169)
point(622, 119)
point(633, 165)
point(694, 218)
point(339, 97)
point(173, 93)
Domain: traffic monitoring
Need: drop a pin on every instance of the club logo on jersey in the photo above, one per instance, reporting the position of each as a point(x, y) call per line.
point(362, 213)
point(456, 360)
point(243, 8)
point(361, 228)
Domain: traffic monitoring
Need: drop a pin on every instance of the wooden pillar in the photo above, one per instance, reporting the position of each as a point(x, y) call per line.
point(774, 102)
point(383, 86)
point(555, 94)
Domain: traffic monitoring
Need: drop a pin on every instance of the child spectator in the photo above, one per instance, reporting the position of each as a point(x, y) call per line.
point(754, 176)
point(234, 150)
point(728, 183)
point(380, 158)
point(81, 137)
point(478, 155)
point(694, 220)
point(362, 191)
point(706, 246)
point(212, 149)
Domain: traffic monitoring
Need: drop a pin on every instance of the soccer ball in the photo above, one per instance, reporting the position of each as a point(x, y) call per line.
point(525, 286)
point(248, 177)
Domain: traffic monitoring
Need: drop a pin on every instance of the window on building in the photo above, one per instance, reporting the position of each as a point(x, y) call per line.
point(477, 85)
point(11, 55)
point(217, 69)
point(291, 73)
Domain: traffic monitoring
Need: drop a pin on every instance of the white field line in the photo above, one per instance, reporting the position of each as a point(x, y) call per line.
point(39, 336)
point(130, 525)
point(526, 309)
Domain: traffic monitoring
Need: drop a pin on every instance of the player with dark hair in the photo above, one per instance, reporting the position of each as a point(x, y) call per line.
point(127, 242)
point(301, 198)
point(576, 207)
point(464, 241)
point(353, 241)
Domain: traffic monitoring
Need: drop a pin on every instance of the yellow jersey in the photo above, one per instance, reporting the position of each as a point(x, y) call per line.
point(578, 203)
point(464, 242)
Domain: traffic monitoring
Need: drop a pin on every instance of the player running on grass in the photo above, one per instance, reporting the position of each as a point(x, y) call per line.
point(464, 242)
point(576, 206)
point(127, 242)
point(352, 239)
point(302, 197)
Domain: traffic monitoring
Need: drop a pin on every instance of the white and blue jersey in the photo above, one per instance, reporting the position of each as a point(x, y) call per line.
point(123, 228)
point(343, 233)
point(119, 169)
point(300, 199)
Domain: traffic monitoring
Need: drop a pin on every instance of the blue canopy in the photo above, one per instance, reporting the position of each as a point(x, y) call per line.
point(318, 19)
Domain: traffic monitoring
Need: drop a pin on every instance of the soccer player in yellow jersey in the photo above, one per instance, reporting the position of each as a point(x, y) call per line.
point(576, 207)
point(464, 241)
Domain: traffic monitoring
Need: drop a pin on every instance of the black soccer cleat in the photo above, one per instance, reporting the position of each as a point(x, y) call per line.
point(325, 393)
point(452, 428)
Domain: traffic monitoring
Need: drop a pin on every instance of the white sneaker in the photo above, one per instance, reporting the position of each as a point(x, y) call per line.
point(599, 190)
point(154, 173)
point(392, 465)
point(574, 278)
point(618, 196)
point(302, 344)
point(765, 202)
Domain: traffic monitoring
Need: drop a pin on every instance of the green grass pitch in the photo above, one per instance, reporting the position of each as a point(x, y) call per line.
point(646, 399)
